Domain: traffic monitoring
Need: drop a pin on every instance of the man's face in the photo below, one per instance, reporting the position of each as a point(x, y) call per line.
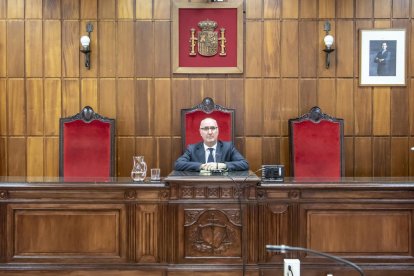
point(384, 46)
point(209, 131)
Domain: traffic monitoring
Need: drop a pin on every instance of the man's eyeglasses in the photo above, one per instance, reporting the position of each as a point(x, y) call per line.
point(212, 128)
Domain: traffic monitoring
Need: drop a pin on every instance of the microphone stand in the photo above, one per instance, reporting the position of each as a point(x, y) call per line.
point(284, 248)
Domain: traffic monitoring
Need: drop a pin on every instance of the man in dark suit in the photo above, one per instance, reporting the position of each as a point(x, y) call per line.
point(382, 59)
point(211, 154)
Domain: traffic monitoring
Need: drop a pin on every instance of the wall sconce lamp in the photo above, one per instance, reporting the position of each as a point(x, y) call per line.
point(85, 42)
point(328, 40)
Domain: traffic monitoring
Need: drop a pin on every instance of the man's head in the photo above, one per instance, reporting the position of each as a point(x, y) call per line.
point(384, 45)
point(209, 131)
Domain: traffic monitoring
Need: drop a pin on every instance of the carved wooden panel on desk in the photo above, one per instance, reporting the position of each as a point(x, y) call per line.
point(69, 233)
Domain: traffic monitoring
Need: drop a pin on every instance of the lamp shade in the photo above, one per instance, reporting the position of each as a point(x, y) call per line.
point(85, 40)
point(329, 40)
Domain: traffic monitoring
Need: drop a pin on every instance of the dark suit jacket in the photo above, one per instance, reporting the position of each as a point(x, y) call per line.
point(194, 156)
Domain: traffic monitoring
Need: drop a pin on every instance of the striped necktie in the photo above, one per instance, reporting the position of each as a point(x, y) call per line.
point(210, 156)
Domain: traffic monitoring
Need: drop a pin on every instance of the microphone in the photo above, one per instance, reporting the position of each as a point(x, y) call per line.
point(285, 248)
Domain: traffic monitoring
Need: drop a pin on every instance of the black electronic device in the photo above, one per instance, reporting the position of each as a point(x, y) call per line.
point(273, 173)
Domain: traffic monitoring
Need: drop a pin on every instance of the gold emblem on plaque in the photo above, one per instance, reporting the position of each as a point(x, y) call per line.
point(207, 40)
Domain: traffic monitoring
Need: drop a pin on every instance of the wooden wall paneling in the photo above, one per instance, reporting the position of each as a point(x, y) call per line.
point(344, 8)
point(363, 8)
point(3, 107)
point(35, 156)
point(15, 9)
point(382, 8)
point(3, 45)
point(15, 48)
point(360, 24)
point(289, 58)
point(35, 106)
point(70, 97)
point(363, 110)
point(271, 48)
point(345, 38)
point(321, 55)
point(382, 156)
point(197, 90)
point(349, 156)
point(125, 9)
point(162, 114)
point(3, 8)
point(144, 48)
point(164, 152)
point(411, 107)
point(401, 8)
point(272, 9)
point(289, 95)
point(146, 146)
point(382, 24)
point(89, 94)
point(53, 52)
point(399, 111)
point(3, 156)
point(253, 107)
point(363, 157)
point(51, 9)
point(162, 49)
point(308, 8)
point(409, 53)
point(345, 104)
point(16, 107)
point(33, 48)
point(94, 62)
point(271, 150)
point(308, 95)
point(400, 150)
point(52, 106)
point(107, 97)
point(284, 154)
point(326, 8)
point(254, 151)
point(176, 151)
point(381, 111)
point(125, 107)
point(107, 48)
point(89, 9)
point(51, 156)
point(125, 43)
point(143, 9)
point(326, 94)
point(254, 9)
point(144, 107)
point(180, 99)
point(125, 147)
point(16, 157)
point(70, 9)
point(271, 107)
point(162, 10)
point(290, 9)
point(411, 157)
point(235, 99)
point(239, 143)
point(106, 9)
point(217, 90)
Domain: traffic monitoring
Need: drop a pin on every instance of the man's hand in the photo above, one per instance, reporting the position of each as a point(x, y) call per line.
point(213, 166)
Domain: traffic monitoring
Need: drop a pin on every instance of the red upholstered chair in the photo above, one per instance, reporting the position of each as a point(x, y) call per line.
point(192, 117)
point(86, 146)
point(316, 145)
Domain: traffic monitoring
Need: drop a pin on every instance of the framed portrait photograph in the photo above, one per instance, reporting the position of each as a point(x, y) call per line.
point(207, 37)
point(382, 57)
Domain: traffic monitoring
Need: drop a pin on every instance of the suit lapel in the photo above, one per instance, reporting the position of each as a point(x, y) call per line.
point(200, 153)
point(219, 152)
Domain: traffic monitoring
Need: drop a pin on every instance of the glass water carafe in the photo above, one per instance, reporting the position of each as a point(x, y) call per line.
point(139, 170)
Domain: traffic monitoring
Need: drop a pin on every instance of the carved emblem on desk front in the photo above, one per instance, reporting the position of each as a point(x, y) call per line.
point(212, 233)
point(130, 194)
